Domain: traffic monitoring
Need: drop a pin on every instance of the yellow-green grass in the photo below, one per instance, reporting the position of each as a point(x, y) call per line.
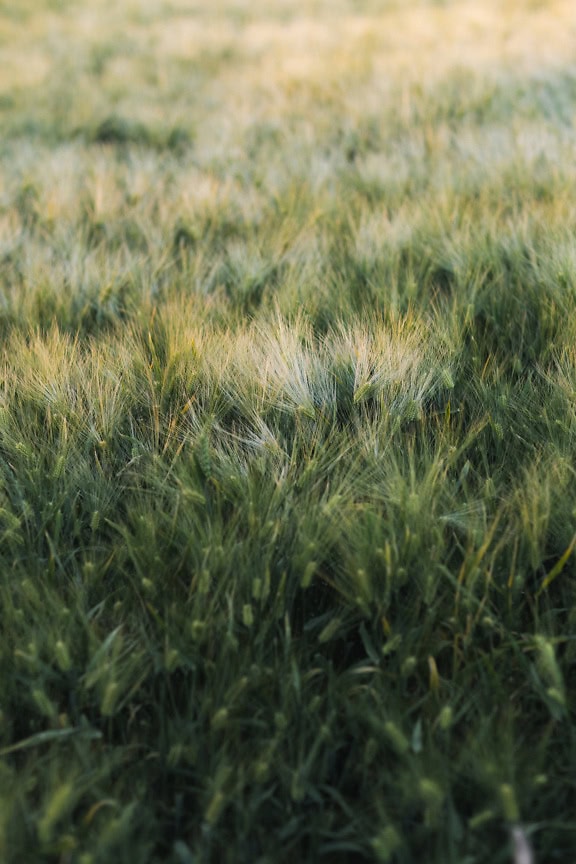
point(287, 431)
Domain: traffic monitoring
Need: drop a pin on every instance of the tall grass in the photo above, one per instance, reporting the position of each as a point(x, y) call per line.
point(287, 432)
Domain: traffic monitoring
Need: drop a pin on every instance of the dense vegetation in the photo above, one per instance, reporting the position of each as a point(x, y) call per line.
point(287, 431)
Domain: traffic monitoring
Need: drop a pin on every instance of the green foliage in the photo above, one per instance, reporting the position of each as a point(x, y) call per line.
point(287, 433)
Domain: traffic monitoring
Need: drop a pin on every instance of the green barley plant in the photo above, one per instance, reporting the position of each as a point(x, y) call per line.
point(287, 432)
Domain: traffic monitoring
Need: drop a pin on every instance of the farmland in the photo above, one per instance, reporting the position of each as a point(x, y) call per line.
point(287, 431)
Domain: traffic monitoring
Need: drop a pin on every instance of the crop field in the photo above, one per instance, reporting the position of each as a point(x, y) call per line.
point(287, 432)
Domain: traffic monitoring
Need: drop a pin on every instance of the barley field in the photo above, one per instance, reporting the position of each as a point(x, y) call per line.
point(287, 431)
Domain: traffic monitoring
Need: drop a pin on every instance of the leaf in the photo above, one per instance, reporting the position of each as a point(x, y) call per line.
point(50, 735)
point(558, 567)
point(369, 646)
point(96, 667)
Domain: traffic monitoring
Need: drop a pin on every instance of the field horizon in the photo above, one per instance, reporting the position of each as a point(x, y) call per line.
point(287, 432)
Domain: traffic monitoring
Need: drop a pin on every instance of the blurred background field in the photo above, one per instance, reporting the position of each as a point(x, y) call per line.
point(287, 431)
